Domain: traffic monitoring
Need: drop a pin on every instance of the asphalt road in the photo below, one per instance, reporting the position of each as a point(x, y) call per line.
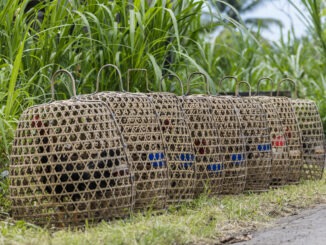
point(306, 228)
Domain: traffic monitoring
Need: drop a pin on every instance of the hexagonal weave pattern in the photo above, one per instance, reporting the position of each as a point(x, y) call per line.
point(257, 141)
point(313, 138)
point(231, 144)
point(292, 135)
point(68, 164)
point(280, 151)
point(138, 122)
point(178, 146)
point(209, 160)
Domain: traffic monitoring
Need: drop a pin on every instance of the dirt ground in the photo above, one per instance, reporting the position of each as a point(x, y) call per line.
point(306, 228)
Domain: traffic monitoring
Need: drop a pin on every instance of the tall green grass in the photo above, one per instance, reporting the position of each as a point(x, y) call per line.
point(82, 37)
point(313, 58)
point(245, 54)
point(160, 35)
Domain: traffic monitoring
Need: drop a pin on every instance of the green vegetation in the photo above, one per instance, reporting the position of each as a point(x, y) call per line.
point(162, 36)
point(206, 220)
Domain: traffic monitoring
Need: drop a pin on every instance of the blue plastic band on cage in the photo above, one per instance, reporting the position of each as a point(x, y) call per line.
point(218, 167)
point(155, 158)
point(237, 159)
point(188, 160)
point(264, 147)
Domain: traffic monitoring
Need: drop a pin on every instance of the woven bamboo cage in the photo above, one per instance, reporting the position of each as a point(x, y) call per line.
point(313, 138)
point(178, 145)
point(139, 125)
point(231, 142)
point(209, 160)
point(280, 151)
point(292, 132)
point(257, 141)
point(68, 164)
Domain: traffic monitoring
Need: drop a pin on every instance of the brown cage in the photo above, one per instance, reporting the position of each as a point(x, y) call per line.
point(292, 134)
point(280, 151)
point(231, 141)
point(257, 141)
point(68, 164)
point(178, 145)
point(209, 160)
point(138, 122)
point(313, 138)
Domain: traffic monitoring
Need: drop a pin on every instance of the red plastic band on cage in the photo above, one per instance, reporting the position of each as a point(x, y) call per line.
point(68, 164)
point(280, 150)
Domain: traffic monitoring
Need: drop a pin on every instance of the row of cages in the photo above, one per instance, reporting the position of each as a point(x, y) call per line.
point(104, 155)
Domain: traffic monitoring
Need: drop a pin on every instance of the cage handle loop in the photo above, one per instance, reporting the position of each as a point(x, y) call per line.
point(262, 79)
point(194, 74)
point(137, 69)
point(238, 85)
point(99, 77)
point(176, 77)
point(71, 78)
point(287, 80)
point(227, 77)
